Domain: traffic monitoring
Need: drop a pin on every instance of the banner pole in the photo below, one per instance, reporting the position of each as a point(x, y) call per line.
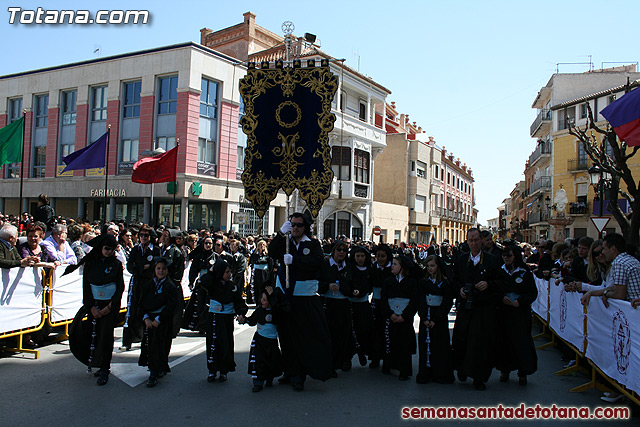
point(175, 182)
point(288, 238)
point(24, 120)
point(106, 175)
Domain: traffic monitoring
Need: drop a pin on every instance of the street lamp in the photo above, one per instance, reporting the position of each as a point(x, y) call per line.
point(600, 179)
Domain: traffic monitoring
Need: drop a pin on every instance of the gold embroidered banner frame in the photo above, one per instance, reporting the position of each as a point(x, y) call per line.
point(287, 122)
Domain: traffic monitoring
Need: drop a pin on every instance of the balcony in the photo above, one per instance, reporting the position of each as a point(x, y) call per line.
point(542, 149)
point(541, 125)
point(577, 165)
point(538, 217)
point(350, 190)
point(541, 184)
point(579, 208)
point(451, 215)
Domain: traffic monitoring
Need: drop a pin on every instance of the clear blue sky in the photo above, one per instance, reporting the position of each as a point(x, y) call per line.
point(466, 71)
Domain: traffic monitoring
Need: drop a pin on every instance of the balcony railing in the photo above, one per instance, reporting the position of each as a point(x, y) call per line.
point(451, 214)
point(544, 116)
point(539, 216)
point(543, 148)
point(577, 165)
point(542, 183)
point(579, 208)
point(437, 212)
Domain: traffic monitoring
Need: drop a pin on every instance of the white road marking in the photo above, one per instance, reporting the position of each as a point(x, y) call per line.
point(133, 375)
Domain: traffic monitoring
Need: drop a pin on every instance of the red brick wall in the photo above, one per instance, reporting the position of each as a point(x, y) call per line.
point(82, 120)
point(187, 126)
point(145, 141)
point(113, 119)
point(53, 123)
point(228, 141)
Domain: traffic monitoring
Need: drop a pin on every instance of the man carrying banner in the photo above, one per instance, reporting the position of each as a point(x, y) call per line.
point(304, 334)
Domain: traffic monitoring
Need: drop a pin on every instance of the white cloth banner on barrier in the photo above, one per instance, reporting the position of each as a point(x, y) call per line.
point(20, 298)
point(566, 315)
point(66, 294)
point(614, 340)
point(540, 305)
point(185, 281)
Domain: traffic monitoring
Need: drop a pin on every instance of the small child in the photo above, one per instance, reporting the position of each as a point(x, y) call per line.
point(265, 360)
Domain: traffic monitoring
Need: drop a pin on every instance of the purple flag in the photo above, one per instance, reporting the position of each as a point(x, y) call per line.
point(92, 156)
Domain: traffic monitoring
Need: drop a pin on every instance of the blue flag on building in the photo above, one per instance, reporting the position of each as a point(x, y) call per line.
point(92, 156)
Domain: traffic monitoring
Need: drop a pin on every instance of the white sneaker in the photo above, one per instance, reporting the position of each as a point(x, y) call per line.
point(612, 397)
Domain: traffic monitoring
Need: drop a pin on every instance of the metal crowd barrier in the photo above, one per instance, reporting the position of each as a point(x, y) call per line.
point(600, 336)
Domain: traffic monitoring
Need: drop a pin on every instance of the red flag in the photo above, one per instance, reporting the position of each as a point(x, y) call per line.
point(160, 168)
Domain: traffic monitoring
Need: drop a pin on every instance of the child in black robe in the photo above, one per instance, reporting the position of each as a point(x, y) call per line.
point(158, 304)
point(265, 360)
point(361, 313)
point(225, 301)
point(434, 342)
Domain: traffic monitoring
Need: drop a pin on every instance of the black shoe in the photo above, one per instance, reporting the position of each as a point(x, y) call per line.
point(346, 366)
point(504, 377)
point(211, 378)
point(298, 386)
point(362, 359)
point(284, 380)
point(462, 376)
point(152, 382)
point(522, 380)
point(479, 385)
point(103, 378)
point(403, 378)
point(161, 374)
point(269, 383)
point(333, 374)
point(223, 378)
point(256, 388)
point(374, 364)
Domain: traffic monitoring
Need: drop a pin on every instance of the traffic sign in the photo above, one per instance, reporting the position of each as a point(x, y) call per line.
point(377, 231)
point(600, 222)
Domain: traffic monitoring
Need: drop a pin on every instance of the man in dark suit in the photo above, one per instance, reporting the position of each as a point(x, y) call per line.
point(9, 256)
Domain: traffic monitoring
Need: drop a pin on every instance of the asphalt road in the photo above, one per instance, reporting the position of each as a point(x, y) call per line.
point(56, 390)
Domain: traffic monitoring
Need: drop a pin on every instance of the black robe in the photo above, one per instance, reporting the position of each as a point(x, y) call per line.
point(261, 274)
point(400, 337)
point(361, 313)
point(159, 302)
point(303, 332)
point(378, 277)
point(337, 310)
point(81, 340)
point(474, 333)
point(138, 260)
point(174, 255)
point(220, 346)
point(434, 344)
point(265, 360)
point(516, 349)
point(195, 312)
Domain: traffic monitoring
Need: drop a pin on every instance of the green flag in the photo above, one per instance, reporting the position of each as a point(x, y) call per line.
point(11, 137)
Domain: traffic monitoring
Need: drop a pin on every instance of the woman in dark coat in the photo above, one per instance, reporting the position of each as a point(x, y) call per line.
point(225, 301)
point(399, 305)
point(102, 286)
point(335, 286)
point(435, 298)
point(380, 272)
point(261, 270)
point(361, 314)
point(158, 304)
point(195, 313)
point(516, 349)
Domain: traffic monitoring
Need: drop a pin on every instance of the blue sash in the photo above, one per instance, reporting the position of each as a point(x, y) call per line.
point(157, 310)
point(219, 308)
point(202, 272)
point(377, 293)
point(103, 292)
point(302, 288)
point(397, 305)
point(360, 299)
point(434, 300)
point(268, 330)
point(334, 295)
point(261, 266)
point(512, 296)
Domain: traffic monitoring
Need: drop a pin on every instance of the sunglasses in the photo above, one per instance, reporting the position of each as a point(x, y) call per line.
point(297, 224)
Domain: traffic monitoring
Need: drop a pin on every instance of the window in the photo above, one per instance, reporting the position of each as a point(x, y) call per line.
point(131, 107)
point(208, 98)
point(448, 178)
point(441, 174)
point(566, 116)
point(69, 107)
point(610, 99)
point(583, 111)
point(14, 113)
point(166, 142)
point(343, 100)
point(341, 164)
point(168, 95)
point(421, 170)
point(420, 204)
point(39, 161)
point(207, 151)
point(42, 111)
point(361, 166)
point(129, 150)
point(362, 114)
point(99, 104)
point(240, 157)
point(437, 172)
